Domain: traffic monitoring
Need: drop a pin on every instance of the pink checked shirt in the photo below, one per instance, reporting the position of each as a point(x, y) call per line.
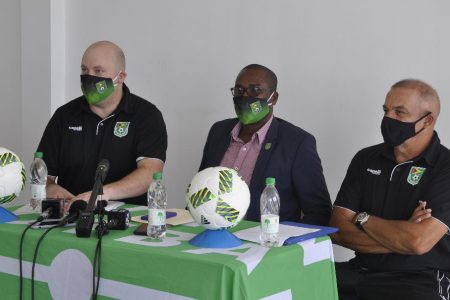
point(242, 157)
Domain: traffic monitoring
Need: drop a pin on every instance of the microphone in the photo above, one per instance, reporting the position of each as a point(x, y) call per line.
point(86, 218)
point(102, 169)
point(100, 175)
point(74, 211)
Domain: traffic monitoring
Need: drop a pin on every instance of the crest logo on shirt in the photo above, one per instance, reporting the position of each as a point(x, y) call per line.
point(415, 174)
point(101, 86)
point(121, 129)
point(255, 107)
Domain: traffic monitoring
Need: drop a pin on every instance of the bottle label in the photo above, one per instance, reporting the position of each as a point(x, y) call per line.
point(270, 223)
point(38, 191)
point(156, 217)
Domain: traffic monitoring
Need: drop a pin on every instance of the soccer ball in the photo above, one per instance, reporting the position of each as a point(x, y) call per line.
point(217, 198)
point(12, 176)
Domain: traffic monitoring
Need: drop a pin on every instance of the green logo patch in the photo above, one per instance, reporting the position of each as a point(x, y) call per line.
point(256, 107)
point(101, 87)
point(121, 129)
point(415, 174)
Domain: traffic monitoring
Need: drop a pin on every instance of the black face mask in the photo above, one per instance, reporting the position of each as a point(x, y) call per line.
point(396, 132)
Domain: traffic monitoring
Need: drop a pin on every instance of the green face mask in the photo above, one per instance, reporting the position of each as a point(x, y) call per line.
point(251, 110)
point(96, 89)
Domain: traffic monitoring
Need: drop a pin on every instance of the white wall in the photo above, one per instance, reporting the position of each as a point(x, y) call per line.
point(10, 82)
point(335, 61)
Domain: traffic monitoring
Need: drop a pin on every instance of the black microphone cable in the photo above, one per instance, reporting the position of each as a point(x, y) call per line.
point(35, 256)
point(22, 237)
point(97, 263)
point(43, 216)
point(73, 213)
point(102, 229)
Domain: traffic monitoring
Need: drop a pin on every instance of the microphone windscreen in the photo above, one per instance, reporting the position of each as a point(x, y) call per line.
point(77, 205)
point(102, 203)
point(104, 165)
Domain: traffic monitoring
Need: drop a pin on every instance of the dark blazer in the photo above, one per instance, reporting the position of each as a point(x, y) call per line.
point(291, 158)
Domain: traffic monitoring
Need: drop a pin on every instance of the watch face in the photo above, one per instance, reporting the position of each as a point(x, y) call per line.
point(361, 216)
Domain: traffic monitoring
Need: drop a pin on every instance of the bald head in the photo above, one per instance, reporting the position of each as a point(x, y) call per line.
point(110, 51)
point(428, 97)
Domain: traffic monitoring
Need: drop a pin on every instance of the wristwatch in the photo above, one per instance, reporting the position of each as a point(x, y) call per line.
point(361, 219)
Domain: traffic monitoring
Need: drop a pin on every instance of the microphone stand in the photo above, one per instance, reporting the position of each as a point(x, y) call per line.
point(102, 227)
point(86, 220)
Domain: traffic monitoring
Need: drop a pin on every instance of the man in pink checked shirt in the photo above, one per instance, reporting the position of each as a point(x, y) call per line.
point(258, 145)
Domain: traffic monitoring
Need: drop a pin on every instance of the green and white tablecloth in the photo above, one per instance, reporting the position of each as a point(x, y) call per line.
point(134, 267)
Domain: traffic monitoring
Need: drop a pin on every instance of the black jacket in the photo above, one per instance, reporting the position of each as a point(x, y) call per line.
point(292, 159)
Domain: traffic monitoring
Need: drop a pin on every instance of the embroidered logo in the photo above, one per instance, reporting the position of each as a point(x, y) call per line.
point(121, 129)
point(76, 128)
point(101, 86)
point(374, 172)
point(415, 174)
point(255, 107)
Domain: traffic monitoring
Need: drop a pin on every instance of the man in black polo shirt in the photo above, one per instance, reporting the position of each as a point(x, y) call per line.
point(393, 207)
point(107, 122)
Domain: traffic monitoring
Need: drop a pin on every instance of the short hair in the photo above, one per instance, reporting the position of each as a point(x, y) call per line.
point(425, 91)
point(273, 81)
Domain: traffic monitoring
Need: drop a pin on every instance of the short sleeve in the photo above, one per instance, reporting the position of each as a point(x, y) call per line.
point(50, 144)
point(349, 196)
point(151, 136)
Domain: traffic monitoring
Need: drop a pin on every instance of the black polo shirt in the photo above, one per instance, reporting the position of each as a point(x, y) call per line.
point(76, 139)
point(377, 184)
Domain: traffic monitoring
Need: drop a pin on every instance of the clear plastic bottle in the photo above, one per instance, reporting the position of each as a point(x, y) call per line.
point(38, 181)
point(270, 210)
point(157, 204)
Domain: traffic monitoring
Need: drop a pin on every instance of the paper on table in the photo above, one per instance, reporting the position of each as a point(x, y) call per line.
point(286, 231)
point(182, 217)
point(113, 205)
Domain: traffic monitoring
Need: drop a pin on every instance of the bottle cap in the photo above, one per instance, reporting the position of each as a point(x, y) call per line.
point(38, 155)
point(157, 176)
point(270, 181)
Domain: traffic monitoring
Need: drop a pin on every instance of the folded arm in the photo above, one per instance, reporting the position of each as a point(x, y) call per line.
point(351, 236)
point(416, 236)
point(406, 237)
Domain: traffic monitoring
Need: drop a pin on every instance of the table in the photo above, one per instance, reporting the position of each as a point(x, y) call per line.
point(134, 267)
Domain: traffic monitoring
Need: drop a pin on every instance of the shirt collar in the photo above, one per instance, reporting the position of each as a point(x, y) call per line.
point(260, 135)
point(124, 104)
point(430, 155)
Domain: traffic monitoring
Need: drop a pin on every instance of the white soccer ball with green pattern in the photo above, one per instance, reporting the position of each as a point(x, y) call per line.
point(12, 176)
point(218, 198)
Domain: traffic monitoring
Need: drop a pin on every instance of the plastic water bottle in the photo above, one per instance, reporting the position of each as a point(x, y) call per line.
point(38, 181)
point(157, 204)
point(270, 210)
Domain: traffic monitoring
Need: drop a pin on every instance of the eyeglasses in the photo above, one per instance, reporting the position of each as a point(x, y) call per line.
point(252, 91)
